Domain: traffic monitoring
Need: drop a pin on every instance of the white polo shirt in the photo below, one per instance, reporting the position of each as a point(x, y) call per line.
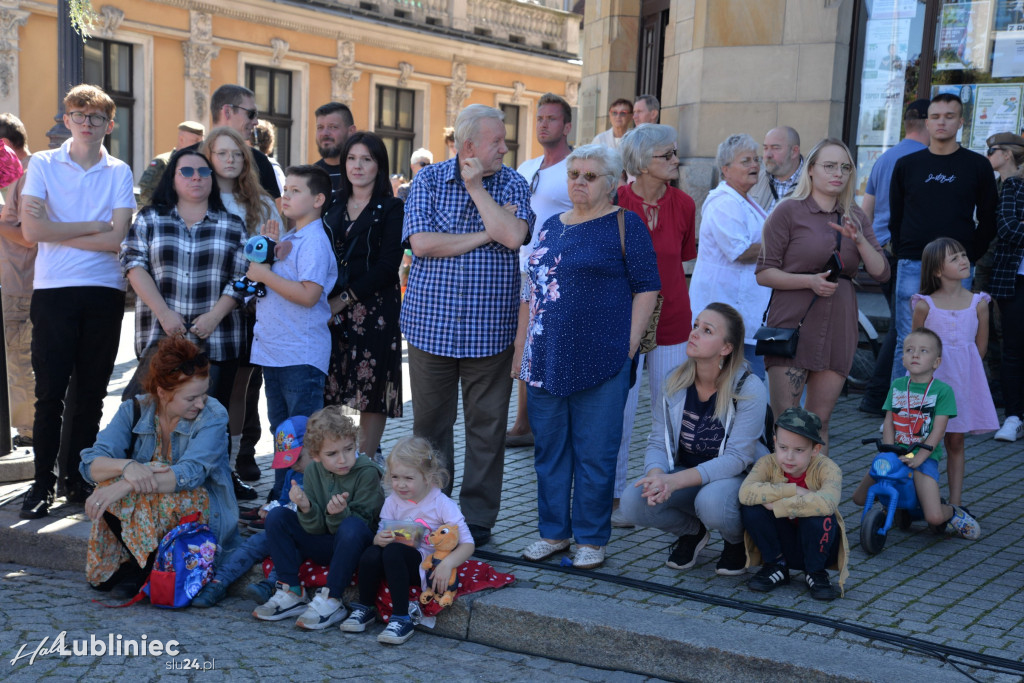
point(74, 194)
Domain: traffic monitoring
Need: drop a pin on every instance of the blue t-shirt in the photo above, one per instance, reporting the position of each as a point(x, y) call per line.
point(878, 184)
point(701, 433)
point(580, 292)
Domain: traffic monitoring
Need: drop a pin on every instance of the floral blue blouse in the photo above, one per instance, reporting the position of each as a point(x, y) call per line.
point(580, 292)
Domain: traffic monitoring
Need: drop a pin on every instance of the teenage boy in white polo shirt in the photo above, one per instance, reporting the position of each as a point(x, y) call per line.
point(77, 204)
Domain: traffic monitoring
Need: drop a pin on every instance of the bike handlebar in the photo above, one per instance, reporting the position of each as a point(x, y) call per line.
point(897, 448)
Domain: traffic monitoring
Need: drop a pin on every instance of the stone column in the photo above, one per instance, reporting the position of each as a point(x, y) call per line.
point(11, 19)
point(610, 45)
point(199, 52)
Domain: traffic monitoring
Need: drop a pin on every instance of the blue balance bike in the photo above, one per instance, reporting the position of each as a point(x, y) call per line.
point(894, 489)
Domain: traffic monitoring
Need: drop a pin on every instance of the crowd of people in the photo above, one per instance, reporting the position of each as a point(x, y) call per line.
point(564, 278)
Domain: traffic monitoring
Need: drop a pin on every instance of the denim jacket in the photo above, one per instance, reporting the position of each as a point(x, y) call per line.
point(199, 457)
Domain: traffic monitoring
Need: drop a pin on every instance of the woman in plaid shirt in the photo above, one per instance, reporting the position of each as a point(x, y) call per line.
point(181, 256)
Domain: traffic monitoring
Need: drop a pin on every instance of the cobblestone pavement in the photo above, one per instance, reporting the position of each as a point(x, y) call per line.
point(940, 589)
point(231, 646)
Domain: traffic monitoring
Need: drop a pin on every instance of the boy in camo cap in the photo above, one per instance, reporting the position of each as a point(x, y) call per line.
point(790, 510)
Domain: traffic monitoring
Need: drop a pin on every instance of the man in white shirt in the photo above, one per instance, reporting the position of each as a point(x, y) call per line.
point(549, 196)
point(77, 203)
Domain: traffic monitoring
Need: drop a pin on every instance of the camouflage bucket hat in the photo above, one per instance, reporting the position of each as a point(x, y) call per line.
point(802, 422)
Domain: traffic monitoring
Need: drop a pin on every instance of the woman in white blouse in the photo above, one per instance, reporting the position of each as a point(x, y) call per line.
point(730, 240)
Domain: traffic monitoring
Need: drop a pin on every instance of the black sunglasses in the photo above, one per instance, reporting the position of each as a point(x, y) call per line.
point(189, 171)
point(189, 367)
point(993, 150)
point(535, 183)
point(252, 113)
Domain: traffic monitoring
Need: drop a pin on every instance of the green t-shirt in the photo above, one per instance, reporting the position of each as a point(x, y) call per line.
point(913, 414)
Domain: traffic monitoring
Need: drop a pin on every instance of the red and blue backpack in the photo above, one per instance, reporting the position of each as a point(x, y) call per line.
point(184, 564)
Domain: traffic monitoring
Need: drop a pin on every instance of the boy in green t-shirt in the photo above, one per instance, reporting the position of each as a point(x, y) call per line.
point(917, 411)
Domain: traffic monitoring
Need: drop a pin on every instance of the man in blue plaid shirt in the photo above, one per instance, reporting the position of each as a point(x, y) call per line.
point(465, 220)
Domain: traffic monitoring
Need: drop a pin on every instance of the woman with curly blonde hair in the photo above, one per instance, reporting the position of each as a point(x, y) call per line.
point(238, 179)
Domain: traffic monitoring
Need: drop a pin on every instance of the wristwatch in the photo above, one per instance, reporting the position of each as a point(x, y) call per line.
point(346, 297)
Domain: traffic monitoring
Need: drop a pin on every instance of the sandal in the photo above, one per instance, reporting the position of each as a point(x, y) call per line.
point(588, 558)
point(542, 550)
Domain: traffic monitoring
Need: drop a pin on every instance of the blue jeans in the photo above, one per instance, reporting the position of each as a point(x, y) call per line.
point(292, 390)
point(576, 442)
point(908, 283)
point(291, 545)
point(755, 361)
point(252, 551)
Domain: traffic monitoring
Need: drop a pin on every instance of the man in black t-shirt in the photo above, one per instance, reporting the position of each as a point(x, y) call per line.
point(937, 192)
point(334, 123)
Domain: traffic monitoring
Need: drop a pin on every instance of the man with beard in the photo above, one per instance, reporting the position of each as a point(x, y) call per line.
point(334, 123)
point(781, 168)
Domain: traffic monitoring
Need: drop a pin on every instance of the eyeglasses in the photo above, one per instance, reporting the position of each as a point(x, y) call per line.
point(832, 167)
point(993, 150)
point(189, 367)
point(589, 176)
point(224, 155)
point(667, 156)
point(748, 161)
point(189, 171)
point(80, 117)
point(252, 113)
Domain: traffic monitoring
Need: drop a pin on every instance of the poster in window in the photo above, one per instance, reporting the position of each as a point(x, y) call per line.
point(963, 36)
point(1008, 53)
point(996, 110)
point(883, 81)
point(866, 158)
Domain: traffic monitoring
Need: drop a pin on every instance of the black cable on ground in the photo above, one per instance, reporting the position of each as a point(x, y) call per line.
point(943, 653)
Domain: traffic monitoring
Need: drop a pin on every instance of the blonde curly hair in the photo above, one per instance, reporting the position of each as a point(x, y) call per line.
point(416, 452)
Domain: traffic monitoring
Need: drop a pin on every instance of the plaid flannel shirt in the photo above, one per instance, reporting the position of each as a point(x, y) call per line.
point(1009, 240)
point(192, 268)
point(462, 306)
point(784, 188)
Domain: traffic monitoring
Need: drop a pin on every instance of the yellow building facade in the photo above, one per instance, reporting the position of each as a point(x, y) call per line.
point(405, 67)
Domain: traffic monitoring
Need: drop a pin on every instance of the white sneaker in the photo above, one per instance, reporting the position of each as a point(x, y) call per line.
point(282, 605)
point(322, 612)
point(1012, 429)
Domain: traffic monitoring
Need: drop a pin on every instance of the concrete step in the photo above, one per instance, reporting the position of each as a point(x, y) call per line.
point(17, 466)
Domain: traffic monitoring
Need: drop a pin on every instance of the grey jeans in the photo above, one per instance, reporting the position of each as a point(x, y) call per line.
point(716, 504)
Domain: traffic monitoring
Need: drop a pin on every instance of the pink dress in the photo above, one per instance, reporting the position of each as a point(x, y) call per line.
point(961, 366)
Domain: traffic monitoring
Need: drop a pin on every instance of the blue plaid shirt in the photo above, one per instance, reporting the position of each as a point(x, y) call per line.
point(462, 306)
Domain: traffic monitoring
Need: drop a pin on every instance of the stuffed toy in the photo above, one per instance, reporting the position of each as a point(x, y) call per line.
point(444, 539)
point(258, 249)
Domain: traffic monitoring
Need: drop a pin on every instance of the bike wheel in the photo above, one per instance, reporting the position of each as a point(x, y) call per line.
point(870, 539)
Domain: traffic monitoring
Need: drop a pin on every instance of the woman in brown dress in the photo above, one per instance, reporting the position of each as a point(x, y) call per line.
point(800, 237)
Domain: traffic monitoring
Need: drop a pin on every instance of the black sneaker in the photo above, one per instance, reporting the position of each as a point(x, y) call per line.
point(770, 576)
point(686, 548)
point(78, 492)
point(733, 561)
point(36, 503)
point(242, 490)
point(481, 536)
point(819, 585)
point(20, 441)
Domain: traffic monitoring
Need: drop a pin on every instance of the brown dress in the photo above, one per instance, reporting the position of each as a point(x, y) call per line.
point(798, 239)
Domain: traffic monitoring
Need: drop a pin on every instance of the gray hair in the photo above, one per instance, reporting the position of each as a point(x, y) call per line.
point(733, 145)
point(638, 145)
point(608, 160)
point(469, 120)
point(422, 155)
point(650, 101)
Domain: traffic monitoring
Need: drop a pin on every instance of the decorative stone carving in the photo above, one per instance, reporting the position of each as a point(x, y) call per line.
point(518, 88)
point(10, 21)
point(279, 46)
point(344, 74)
point(457, 92)
point(107, 21)
point(572, 92)
point(199, 52)
point(405, 70)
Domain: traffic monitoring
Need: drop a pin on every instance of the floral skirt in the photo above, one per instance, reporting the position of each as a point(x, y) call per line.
point(145, 520)
point(366, 357)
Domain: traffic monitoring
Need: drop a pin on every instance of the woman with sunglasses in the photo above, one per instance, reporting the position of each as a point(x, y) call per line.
point(593, 283)
point(181, 256)
point(161, 458)
point(649, 155)
point(814, 242)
